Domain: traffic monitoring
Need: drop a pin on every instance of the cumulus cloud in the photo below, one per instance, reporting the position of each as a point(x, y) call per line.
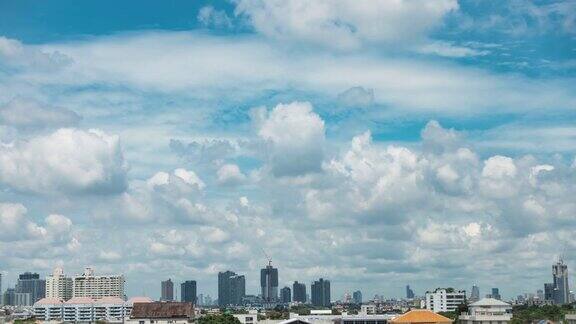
point(210, 17)
point(296, 138)
point(65, 161)
point(345, 24)
point(30, 114)
point(357, 97)
point(230, 174)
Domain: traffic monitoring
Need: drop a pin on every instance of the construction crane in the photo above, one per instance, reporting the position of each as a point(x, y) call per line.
point(267, 257)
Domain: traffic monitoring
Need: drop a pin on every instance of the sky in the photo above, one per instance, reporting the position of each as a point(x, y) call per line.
point(374, 143)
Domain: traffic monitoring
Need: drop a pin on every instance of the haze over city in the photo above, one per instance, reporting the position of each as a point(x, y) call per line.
point(375, 144)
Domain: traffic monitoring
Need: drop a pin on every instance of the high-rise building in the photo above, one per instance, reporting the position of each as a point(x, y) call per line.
point(188, 292)
point(561, 294)
point(231, 288)
point(357, 297)
point(9, 297)
point(549, 291)
point(285, 295)
point(269, 283)
point(96, 287)
point(409, 292)
point(58, 285)
point(540, 294)
point(475, 294)
point(496, 294)
point(31, 284)
point(299, 292)
point(321, 293)
point(167, 290)
point(444, 299)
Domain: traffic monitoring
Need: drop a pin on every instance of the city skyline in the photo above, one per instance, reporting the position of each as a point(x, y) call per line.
point(377, 144)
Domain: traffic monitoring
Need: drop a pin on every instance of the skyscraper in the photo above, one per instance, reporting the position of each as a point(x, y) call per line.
point(299, 292)
point(321, 293)
point(167, 293)
point(561, 294)
point(475, 294)
point(269, 283)
point(549, 291)
point(496, 293)
point(285, 295)
point(357, 297)
point(30, 283)
point(58, 285)
point(188, 291)
point(231, 288)
point(409, 292)
point(97, 286)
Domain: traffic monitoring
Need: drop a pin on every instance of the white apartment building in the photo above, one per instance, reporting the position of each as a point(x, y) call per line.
point(84, 309)
point(487, 311)
point(444, 299)
point(58, 285)
point(96, 287)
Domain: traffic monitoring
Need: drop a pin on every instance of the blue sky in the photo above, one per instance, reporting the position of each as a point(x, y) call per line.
point(374, 143)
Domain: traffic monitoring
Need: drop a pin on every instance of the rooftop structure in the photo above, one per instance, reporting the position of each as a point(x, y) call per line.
point(421, 316)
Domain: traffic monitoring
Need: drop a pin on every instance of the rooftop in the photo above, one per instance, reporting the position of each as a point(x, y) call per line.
point(421, 316)
point(162, 310)
point(489, 302)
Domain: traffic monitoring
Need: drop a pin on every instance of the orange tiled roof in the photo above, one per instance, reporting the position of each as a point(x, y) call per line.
point(421, 316)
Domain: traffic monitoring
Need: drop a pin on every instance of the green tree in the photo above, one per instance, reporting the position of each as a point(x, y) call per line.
point(218, 319)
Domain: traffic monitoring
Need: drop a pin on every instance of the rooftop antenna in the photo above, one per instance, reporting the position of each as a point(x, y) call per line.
point(267, 257)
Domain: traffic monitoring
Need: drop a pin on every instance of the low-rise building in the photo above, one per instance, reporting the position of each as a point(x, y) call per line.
point(486, 311)
point(570, 318)
point(162, 313)
point(250, 318)
point(421, 316)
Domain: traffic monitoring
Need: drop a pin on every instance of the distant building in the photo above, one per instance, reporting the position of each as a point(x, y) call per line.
point(9, 297)
point(96, 287)
point(31, 284)
point(487, 311)
point(475, 294)
point(188, 292)
point(444, 299)
point(409, 292)
point(549, 291)
point(58, 285)
point(269, 283)
point(167, 290)
point(84, 309)
point(495, 294)
point(357, 297)
point(231, 288)
point(321, 293)
point(561, 293)
point(299, 292)
point(285, 295)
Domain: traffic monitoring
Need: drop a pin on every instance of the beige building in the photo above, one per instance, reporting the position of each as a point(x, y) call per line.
point(487, 311)
point(96, 287)
point(58, 286)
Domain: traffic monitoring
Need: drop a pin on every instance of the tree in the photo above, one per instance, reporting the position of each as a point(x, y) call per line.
point(218, 319)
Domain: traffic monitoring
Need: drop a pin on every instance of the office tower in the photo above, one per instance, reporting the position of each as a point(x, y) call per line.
point(188, 291)
point(9, 297)
point(540, 294)
point(31, 284)
point(549, 291)
point(409, 292)
point(286, 295)
point(496, 294)
point(357, 297)
point(269, 283)
point(167, 290)
point(231, 288)
point(560, 275)
point(96, 287)
point(58, 285)
point(475, 294)
point(299, 292)
point(321, 293)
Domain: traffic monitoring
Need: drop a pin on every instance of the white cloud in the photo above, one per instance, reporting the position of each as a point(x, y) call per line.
point(345, 24)
point(296, 136)
point(230, 174)
point(210, 17)
point(29, 114)
point(68, 161)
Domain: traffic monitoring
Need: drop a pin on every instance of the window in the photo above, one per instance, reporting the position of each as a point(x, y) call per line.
point(141, 322)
